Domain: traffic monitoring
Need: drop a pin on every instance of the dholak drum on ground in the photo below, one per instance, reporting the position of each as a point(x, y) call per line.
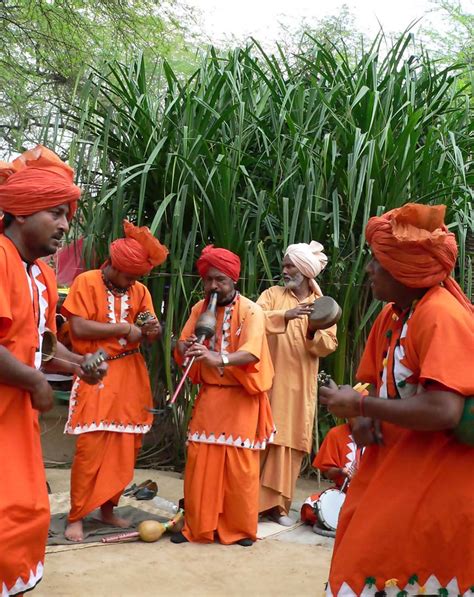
point(328, 507)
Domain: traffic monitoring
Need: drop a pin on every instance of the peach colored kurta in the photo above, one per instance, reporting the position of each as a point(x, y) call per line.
point(296, 363)
point(292, 397)
point(28, 300)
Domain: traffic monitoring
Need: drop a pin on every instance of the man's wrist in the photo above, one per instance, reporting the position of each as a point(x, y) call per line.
point(224, 359)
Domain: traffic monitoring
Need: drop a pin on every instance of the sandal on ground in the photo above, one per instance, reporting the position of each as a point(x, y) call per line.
point(148, 492)
point(178, 538)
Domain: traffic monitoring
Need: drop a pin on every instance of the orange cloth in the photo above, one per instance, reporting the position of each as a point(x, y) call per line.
point(109, 459)
point(220, 493)
point(119, 404)
point(413, 244)
point(24, 505)
point(232, 408)
point(409, 510)
point(338, 450)
point(35, 181)
point(138, 253)
point(225, 261)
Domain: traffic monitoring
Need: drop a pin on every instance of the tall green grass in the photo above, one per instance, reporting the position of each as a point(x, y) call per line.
point(253, 152)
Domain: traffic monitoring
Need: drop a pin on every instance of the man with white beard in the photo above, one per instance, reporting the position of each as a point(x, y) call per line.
point(295, 353)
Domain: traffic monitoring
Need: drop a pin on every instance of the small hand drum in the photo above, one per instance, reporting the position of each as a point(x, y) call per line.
point(326, 312)
point(328, 506)
point(464, 431)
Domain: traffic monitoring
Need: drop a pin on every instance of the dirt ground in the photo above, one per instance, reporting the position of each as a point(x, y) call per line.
point(293, 563)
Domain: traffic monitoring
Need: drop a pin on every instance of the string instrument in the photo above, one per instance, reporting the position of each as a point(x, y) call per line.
point(204, 330)
point(90, 364)
point(326, 312)
point(148, 531)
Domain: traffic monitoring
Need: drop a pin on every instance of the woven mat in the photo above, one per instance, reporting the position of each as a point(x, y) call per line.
point(94, 528)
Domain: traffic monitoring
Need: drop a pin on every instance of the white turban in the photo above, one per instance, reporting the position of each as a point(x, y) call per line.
point(309, 259)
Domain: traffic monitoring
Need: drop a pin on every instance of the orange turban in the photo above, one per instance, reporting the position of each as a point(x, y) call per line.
point(35, 181)
point(413, 244)
point(225, 261)
point(138, 253)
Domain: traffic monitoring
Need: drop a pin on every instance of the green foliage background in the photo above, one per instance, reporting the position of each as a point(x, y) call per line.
point(253, 152)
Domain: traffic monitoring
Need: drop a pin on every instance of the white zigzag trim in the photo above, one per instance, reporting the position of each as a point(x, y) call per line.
point(228, 440)
point(21, 586)
point(104, 426)
point(431, 587)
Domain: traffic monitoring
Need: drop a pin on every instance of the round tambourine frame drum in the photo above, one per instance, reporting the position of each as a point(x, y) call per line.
point(326, 312)
point(328, 507)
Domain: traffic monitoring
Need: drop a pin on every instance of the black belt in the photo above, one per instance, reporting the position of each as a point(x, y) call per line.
point(127, 353)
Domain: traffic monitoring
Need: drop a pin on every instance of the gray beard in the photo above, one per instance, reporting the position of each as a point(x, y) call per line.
point(295, 282)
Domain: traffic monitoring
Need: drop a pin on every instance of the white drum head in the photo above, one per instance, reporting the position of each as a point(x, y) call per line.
point(329, 506)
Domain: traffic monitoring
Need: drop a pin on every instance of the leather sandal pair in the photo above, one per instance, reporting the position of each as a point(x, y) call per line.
point(144, 491)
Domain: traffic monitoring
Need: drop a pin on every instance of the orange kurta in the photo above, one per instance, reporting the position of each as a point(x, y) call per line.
point(28, 300)
point(408, 520)
point(117, 405)
point(231, 422)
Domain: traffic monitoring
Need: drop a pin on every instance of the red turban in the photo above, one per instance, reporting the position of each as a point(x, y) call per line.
point(138, 253)
point(413, 244)
point(35, 181)
point(225, 261)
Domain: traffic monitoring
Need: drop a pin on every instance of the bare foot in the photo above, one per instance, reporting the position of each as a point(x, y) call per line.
point(74, 531)
point(108, 516)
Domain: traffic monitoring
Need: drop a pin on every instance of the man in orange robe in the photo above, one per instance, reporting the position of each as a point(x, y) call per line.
point(37, 198)
point(295, 353)
point(103, 307)
point(338, 460)
point(407, 525)
point(231, 420)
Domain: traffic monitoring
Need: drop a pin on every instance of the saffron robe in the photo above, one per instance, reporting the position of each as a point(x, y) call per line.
point(117, 405)
point(230, 423)
point(408, 521)
point(338, 450)
point(293, 395)
point(28, 300)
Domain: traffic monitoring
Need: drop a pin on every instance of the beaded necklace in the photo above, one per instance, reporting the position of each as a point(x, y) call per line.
point(115, 290)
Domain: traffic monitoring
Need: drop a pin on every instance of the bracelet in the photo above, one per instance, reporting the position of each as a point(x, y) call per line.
point(361, 405)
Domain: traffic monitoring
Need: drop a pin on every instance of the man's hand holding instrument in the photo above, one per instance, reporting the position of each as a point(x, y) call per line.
point(195, 349)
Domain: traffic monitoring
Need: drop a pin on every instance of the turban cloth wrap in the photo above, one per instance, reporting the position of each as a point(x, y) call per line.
point(35, 181)
point(225, 261)
point(310, 261)
point(413, 244)
point(138, 253)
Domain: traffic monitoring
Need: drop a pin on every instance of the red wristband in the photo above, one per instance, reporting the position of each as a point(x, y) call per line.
point(361, 405)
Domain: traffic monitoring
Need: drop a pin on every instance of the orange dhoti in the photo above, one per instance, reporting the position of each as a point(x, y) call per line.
point(103, 466)
point(221, 493)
